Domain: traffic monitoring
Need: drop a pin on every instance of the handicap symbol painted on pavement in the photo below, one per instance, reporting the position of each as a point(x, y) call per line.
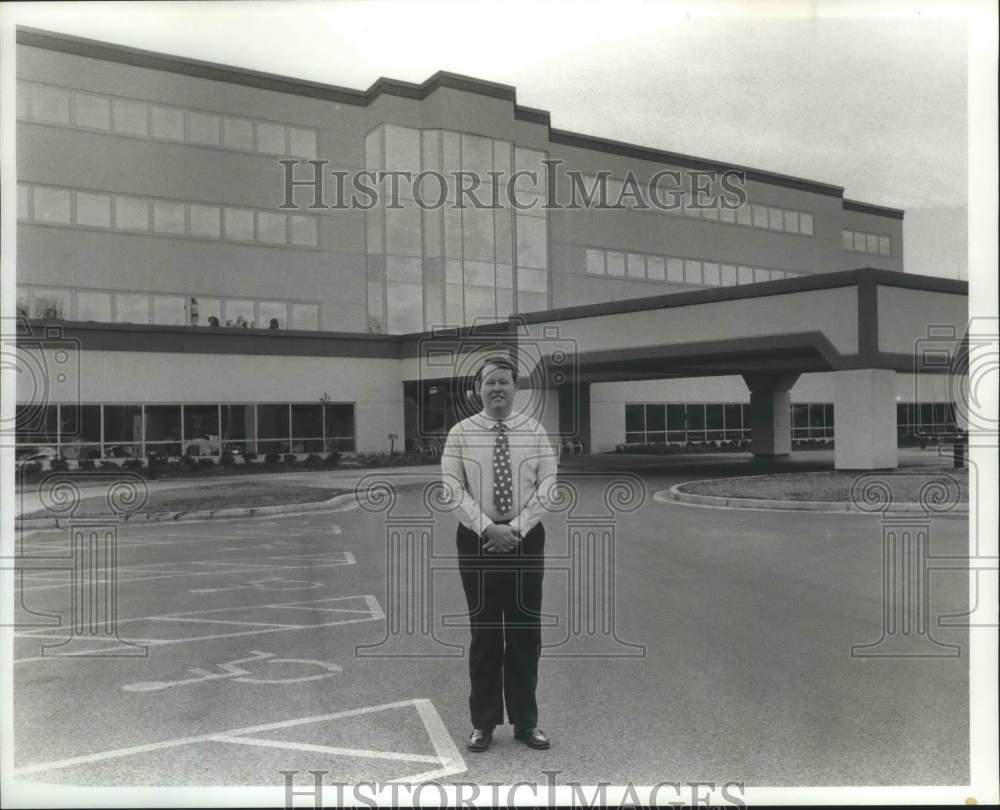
point(271, 584)
point(233, 671)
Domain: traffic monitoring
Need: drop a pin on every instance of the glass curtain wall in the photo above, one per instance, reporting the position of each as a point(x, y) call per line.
point(453, 265)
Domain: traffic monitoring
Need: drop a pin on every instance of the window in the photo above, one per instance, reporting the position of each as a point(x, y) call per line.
point(305, 316)
point(205, 221)
point(532, 248)
point(410, 271)
point(728, 273)
point(239, 313)
point(404, 303)
point(93, 210)
point(806, 224)
point(616, 263)
point(163, 429)
point(93, 112)
point(169, 310)
point(655, 268)
point(775, 219)
point(93, 306)
point(848, 240)
point(23, 201)
point(270, 138)
point(759, 216)
point(339, 427)
point(131, 118)
point(884, 247)
point(49, 104)
point(52, 304)
point(273, 315)
point(271, 228)
point(792, 221)
point(208, 308)
point(636, 265)
point(203, 129)
point(307, 428)
point(675, 270)
point(51, 205)
point(532, 280)
point(743, 215)
point(692, 272)
point(237, 134)
point(131, 214)
point(745, 275)
point(131, 308)
point(711, 272)
point(168, 123)
point(123, 431)
point(168, 217)
point(239, 224)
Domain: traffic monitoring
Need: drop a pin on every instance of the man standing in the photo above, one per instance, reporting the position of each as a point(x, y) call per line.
point(499, 467)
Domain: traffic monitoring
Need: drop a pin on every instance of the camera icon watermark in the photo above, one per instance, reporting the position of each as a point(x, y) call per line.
point(43, 365)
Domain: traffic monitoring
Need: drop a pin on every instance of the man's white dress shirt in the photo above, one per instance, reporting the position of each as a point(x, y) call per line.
point(467, 469)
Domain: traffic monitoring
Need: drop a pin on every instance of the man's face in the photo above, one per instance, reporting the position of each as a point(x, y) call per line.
point(497, 390)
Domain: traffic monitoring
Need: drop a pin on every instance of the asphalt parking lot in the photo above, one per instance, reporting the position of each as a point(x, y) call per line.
point(720, 651)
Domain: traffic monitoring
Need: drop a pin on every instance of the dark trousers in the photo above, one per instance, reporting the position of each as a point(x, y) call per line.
point(504, 595)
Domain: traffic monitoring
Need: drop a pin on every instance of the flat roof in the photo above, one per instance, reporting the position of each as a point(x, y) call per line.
point(96, 49)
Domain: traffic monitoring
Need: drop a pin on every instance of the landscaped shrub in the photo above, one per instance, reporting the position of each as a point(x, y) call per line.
point(290, 458)
point(332, 458)
point(313, 459)
point(106, 465)
point(226, 459)
point(133, 464)
point(86, 464)
point(58, 465)
point(189, 462)
point(204, 462)
point(250, 455)
point(272, 458)
point(31, 469)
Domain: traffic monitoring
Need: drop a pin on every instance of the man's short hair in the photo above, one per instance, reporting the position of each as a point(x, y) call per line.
point(500, 361)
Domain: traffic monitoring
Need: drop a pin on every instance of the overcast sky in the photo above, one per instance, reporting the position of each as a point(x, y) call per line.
point(874, 104)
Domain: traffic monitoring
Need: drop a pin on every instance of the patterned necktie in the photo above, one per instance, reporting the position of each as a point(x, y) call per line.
point(501, 471)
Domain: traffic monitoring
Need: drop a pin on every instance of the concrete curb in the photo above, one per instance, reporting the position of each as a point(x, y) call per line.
point(676, 495)
point(202, 514)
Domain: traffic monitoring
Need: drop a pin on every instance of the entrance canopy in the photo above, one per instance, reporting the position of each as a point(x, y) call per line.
point(862, 325)
point(857, 319)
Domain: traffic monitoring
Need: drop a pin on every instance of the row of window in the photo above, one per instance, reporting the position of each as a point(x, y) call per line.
point(765, 217)
point(656, 423)
point(49, 205)
point(48, 104)
point(641, 266)
point(124, 431)
point(108, 306)
point(860, 242)
point(925, 418)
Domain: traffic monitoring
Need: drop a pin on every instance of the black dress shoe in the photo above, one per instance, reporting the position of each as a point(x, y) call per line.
point(533, 737)
point(480, 739)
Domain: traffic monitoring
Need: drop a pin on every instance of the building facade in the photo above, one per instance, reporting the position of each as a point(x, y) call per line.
point(177, 220)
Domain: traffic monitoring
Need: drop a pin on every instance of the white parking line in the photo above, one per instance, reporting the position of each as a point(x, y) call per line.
point(152, 571)
point(448, 758)
point(373, 613)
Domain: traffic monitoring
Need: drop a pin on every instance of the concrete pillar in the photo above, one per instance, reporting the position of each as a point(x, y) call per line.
point(864, 412)
point(770, 413)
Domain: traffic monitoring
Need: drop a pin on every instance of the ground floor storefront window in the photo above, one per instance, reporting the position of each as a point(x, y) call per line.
point(95, 431)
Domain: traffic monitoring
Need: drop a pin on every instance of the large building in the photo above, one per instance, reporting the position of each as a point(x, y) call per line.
point(155, 230)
